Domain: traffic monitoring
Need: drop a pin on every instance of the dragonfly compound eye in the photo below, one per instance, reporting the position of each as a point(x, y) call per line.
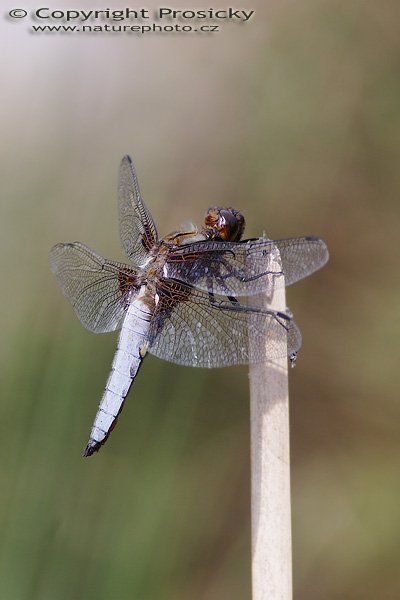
point(227, 222)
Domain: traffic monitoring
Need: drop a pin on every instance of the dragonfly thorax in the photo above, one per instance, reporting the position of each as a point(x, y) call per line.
point(187, 235)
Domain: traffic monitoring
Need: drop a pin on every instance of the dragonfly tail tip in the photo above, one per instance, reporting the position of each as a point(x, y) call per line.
point(91, 448)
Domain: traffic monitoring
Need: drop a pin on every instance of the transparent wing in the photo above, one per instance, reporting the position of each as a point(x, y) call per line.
point(196, 329)
point(246, 268)
point(98, 289)
point(136, 226)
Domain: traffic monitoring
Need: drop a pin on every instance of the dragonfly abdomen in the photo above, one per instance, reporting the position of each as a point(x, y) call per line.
point(125, 366)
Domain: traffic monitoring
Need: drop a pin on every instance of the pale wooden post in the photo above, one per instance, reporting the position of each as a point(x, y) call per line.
point(270, 475)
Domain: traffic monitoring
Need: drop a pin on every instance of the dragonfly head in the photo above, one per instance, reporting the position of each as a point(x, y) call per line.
point(226, 224)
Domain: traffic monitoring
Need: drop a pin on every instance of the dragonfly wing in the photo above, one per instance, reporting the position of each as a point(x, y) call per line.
point(196, 329)
point(136, 226)
point(246, 268)
point(301, 257)
point(98, 289)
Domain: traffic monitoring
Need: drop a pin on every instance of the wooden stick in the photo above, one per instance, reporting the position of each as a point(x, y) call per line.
point(270, 476)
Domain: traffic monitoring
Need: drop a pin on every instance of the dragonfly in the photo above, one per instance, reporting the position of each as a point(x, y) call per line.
point(183, 298)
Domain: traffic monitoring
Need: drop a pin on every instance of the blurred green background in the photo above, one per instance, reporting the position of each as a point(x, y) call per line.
point(294, 119)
